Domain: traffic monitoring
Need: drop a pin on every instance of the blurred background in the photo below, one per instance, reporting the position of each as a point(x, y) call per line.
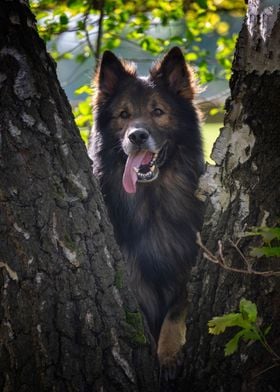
point(78, 31)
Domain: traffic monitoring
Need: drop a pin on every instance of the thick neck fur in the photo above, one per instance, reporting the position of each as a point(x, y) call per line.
point(160, 207)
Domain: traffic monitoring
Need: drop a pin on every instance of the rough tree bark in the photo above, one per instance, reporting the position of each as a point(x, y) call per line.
point(243, 188)
point(68, 320)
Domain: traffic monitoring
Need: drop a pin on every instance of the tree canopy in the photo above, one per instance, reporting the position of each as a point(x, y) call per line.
point(203, 28)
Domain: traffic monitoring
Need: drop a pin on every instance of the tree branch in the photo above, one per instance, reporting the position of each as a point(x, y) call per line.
point(221, 261)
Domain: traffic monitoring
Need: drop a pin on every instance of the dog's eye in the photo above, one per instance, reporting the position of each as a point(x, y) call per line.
point(124, 114)
point(157, 112)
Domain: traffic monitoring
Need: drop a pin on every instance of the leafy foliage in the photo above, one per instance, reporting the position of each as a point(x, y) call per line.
point(246, 319)
point(268, 235)
point(152, 26)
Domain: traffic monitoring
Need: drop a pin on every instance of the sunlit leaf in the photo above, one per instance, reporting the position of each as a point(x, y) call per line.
point(218, 324)
point(83, 90)
point(248, 310)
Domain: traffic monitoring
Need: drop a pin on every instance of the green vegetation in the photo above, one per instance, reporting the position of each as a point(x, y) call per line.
point(246, 319)
point(119, 279)
point(210, 132)
point(150, 26)
point(271, 241)
point(135, 321)
point(250, 330)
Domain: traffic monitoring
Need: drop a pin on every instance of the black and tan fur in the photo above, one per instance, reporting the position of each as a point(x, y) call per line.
point(156, 226)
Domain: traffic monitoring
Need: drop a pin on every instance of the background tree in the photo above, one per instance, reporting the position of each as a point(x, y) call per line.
point(68, 320)
point(141, 31)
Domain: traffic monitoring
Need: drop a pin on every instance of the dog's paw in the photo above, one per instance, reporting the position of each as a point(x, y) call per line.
point(171, 366)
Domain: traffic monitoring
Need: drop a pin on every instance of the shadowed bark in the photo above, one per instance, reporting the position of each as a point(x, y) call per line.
point(242, 190)
point(68, 320)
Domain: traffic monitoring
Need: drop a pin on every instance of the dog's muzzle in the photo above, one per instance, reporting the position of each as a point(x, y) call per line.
point(144, 158)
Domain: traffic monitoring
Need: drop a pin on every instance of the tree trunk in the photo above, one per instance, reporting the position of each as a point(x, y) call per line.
point(68, 320)
point(242, 190)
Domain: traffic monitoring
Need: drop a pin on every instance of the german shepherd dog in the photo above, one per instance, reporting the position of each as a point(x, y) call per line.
point(147, 154)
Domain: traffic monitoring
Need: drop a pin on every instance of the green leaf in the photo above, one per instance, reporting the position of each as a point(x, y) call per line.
point(218, 324)
point(251, 334)
point(63, 19)
point(232, 345)
point(84, 108)
point(266, 251)
point(214, 111)
point(84, 135)
point(267, 233)
point(203, 3)
point(248, 310)
point(85, 89)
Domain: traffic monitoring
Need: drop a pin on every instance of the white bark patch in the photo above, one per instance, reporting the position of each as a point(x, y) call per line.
point(23, 85)
point(43, 129)
point(219, 149)
point(244, 208)
point(64, 149)
point(8, 325)
point(25, 234)
point(241, 145)
point(14, 130)
point(39, 278)
point(117, 297)
point(122, 362)
point(98, 215)
point(266, 215)
point(27, 119)
point(59, 126)
point(77, 182)
point(108, 258)
point(266, 12)
point(210, 186)
point(70, 254)
point(267, 19)
point(89, 319)
point(59, 134)
point(12, 274)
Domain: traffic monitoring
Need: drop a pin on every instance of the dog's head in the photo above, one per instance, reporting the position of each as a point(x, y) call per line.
point(143, 115)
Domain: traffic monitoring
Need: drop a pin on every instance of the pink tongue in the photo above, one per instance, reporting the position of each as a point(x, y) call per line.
point(129, 175)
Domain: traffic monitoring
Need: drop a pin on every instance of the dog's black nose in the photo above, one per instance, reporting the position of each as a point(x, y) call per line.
point(138, 136)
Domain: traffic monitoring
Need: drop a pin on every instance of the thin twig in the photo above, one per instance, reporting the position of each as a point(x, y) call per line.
point(220, 260)
point(266, 370)
point(235, 246)
point(86, 31)
point(100, 33)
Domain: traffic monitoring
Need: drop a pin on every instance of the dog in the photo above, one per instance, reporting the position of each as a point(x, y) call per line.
point(147, 153)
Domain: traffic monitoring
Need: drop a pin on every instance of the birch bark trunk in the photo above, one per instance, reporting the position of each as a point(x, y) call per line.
point(242, 190)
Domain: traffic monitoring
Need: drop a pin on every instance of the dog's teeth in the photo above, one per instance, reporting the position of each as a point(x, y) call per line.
point(153, 161)
point(136, 169)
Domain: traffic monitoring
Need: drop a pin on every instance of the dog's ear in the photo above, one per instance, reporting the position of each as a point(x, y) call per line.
point(111, 70)
point(173, 71)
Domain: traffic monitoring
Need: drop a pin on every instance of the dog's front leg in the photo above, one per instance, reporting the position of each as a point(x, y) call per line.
point(172, 338)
